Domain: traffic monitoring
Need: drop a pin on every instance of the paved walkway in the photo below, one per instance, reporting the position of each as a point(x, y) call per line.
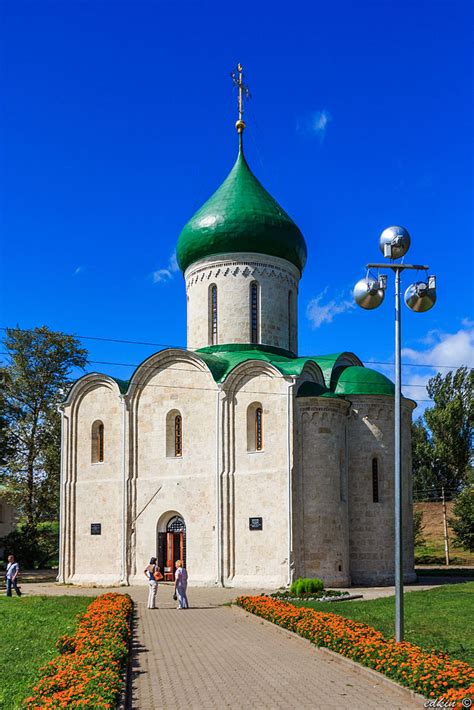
point(222, 657)
point(213, 656)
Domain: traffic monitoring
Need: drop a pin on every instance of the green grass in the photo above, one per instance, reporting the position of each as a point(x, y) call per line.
point(440, 618)
point(432, 553)
point(30, 627)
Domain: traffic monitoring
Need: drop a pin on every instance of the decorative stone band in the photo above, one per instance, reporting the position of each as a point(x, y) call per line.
point(251, 266)
point(327, 412)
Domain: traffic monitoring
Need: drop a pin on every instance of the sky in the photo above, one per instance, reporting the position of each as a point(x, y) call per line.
point(118, 123)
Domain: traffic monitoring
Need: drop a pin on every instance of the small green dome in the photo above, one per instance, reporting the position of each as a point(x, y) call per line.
point(241, 216)
point(362, 380)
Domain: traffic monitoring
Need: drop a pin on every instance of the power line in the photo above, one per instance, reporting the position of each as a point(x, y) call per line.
point(184, 369)
point(211, 389)
point(182, 347)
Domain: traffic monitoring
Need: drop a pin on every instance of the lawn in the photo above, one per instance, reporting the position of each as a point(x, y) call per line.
point(440, 618)
point(30, 627)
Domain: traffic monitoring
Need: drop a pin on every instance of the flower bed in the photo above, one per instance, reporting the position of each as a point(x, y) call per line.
point(327, 595)
point(88, 672)
point(433, 675)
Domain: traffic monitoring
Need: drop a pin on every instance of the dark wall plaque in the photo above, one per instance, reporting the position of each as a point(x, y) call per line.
point(96, 528)
point(255, 523)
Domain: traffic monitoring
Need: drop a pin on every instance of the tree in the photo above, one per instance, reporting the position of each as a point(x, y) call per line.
point(463, 524)
point(418, 528)
point(442, 452)
point(424, 480)
point(37, 377)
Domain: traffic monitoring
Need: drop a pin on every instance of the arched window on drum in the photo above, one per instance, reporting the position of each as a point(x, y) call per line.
point(254, 312)
point(213, 319)
point(290, 311)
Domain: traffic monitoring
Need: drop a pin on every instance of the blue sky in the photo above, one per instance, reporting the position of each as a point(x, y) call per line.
point(117, 124)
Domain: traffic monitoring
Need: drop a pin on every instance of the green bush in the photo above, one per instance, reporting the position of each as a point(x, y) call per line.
point(33, 548)
point(306, 585)
point(463, 523)
point(315, 585)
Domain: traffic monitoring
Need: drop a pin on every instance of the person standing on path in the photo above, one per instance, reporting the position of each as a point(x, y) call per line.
point(180, 584)
point(11, 576)
point(150, 571)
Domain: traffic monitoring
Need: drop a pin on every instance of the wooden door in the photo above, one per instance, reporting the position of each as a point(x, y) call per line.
point(169, 571)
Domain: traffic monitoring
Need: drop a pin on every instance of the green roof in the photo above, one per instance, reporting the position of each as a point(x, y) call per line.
point(340, 379)
point(362, 380)
point(222, 359)
point(123, 384)
point(241, 216)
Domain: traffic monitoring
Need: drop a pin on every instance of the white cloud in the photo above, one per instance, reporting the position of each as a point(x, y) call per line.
point(448, 352)
point(320, 120)
point(166, 274)
point(319, 313)
point(315, 123)
point(451, 350)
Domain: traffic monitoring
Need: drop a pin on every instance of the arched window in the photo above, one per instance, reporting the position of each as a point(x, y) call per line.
point(255, 427)
point(176, 524)
point(174, 434)
point(258, 429)
point(290, 308)
point(254, 312)
point(213, 314)
point(97, 442)
point(375, 480)
point(178, 435)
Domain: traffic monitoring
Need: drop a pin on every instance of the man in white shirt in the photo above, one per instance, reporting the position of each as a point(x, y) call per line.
point(12, 574)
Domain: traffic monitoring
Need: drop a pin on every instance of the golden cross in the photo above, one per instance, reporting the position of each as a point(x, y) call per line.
point(237, 78)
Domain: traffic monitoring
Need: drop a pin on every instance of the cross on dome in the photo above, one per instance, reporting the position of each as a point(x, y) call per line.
point(243, 92)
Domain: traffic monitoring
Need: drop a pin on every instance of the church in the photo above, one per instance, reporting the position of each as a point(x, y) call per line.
point(249, 462)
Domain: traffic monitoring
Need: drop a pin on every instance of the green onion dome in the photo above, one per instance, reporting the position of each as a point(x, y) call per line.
point(241, 217)
point(361, 380)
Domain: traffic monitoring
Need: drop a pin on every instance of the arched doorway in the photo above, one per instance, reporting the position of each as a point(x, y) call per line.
point(172, 546)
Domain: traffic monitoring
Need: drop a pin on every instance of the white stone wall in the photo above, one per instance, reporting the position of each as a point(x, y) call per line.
point(371, 525)
point(311, 484)
point(233, 275)
point(92, 492)
point(256, 483)
point(162, 486)
point(321, 523)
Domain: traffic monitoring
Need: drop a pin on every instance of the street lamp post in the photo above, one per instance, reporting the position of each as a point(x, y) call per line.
point(369, 293)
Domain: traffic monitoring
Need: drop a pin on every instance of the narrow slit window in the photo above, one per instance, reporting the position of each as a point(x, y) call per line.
point(375, 480)
point(254, 308)
point(290, 307)
point(101, 443)
point(178, 435)
point(258, 429)
point(97, 442)
point(213, 315)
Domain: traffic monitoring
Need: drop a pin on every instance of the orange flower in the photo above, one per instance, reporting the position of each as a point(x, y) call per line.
point(428, 673)
point(87, 673)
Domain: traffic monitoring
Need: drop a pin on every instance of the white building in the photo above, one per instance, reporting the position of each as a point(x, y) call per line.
point(251, 463)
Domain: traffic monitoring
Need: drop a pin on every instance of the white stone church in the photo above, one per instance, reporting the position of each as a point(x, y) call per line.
point(251, 463)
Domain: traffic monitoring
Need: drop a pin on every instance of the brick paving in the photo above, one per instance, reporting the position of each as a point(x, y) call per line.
point(213, 656)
